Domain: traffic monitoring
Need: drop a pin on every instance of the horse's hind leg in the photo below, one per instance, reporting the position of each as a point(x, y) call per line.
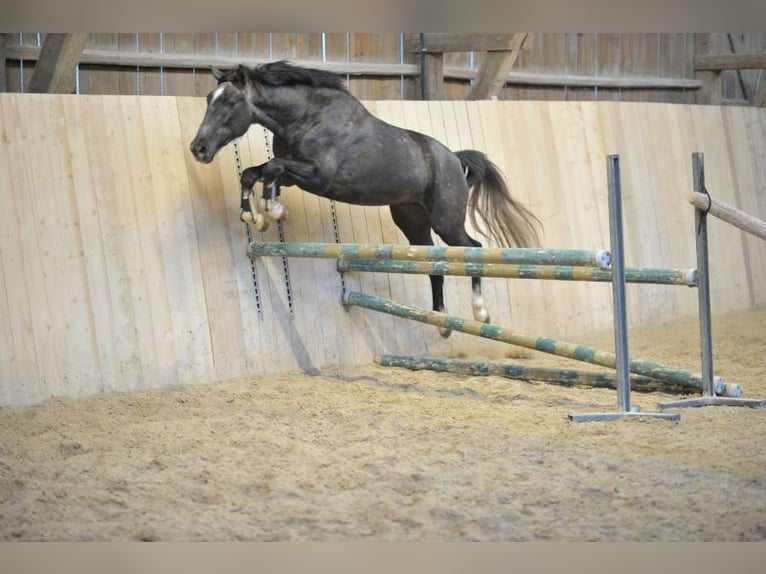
point(412, 219)
point(451, 228)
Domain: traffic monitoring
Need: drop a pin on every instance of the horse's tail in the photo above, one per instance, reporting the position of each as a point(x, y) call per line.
point(507, 221)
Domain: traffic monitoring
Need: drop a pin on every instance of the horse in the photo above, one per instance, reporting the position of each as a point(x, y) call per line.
point(328, 144)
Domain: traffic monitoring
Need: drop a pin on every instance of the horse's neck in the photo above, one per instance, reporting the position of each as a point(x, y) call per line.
point(286, 109)
point(278, 109)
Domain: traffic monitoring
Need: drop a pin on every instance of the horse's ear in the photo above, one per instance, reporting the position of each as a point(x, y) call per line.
point(243, 72)
point(217, 73)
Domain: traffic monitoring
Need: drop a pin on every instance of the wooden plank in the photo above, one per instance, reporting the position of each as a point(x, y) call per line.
point(711, 91)
point(178, 238)
point(729, 214)
point(95, 79)
point(30, 277)
point(96, 266)
point(18, 355)
point(3, 83)
point(490, 79)
point(432, 81)
point(717, 62)
point(54, 72)
point(454, 42)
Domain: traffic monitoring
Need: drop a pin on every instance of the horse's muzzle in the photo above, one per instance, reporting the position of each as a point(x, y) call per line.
point(201, 152)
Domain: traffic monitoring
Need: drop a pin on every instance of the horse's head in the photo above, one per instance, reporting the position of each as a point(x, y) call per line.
point(228, 116)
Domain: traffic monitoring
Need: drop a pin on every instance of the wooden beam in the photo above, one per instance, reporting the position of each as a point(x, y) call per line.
point(3, 85)
point(493, 72)
point(432, 80)
point(712, 62)
point(441, 43)
point(202, 61)
point(712, 89)
point(55, 69)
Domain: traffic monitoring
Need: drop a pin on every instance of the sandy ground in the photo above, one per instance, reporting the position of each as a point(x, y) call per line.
point(380, 453)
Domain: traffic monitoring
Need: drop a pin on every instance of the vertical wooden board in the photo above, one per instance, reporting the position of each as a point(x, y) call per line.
point(34, 221)
point(211, 220)
point(128, 78)
point(134, 299)
point(642, 229)
point(743, 178)
point(681, 221)
point(67, 281)
point(179, 81)
point(149, 79)
point(154, 322)
point(274, 329)
point(308, 276)
point(528, 169)
point(99, 79)
point(579, 199)
point(669, 165)
point(20, 377)
point(253, 283)
point(95, 261)
point(178, 237)
point(728, 283)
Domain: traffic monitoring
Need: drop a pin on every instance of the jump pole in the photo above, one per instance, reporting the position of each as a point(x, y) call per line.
point(516, 255)
point(703, 296)
point(544, 344)
point(729, 214)
point(563, 377)
point(687, 277)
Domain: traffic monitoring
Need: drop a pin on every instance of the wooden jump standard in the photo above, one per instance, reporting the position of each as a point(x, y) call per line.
point(686, 277)
point(729, 214)
point(564, 377)
point(516, 255)
point(544, 344)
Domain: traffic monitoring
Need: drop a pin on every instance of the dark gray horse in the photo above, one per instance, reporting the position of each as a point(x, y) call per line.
point(328, 144)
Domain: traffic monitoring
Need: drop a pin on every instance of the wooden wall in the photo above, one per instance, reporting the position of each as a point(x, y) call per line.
point(122, 261)
point(666, 55)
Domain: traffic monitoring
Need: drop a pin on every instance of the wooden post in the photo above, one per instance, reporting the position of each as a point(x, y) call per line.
point(432, 81)
point(3, 85)
point(729, 214)
point(55, 68)
point(712, 89)
point(493, 71)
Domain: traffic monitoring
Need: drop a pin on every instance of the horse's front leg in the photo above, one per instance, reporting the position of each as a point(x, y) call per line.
point(305, 174)
point(269, 202)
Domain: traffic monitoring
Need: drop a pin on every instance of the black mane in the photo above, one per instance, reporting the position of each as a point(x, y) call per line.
point(283, 73)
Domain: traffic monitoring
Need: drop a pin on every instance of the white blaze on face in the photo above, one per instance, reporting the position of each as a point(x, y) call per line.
point(218, 91)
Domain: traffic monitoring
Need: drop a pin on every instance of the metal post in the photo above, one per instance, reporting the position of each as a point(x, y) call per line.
point(618, 283)
point(620, 308)
point(703, 298)
point(703, 285)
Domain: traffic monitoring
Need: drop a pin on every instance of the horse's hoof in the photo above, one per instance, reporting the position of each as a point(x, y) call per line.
point(444, 332)
point(246, 216)
point(481, 315)
point(260, 223)
point(276, 210)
